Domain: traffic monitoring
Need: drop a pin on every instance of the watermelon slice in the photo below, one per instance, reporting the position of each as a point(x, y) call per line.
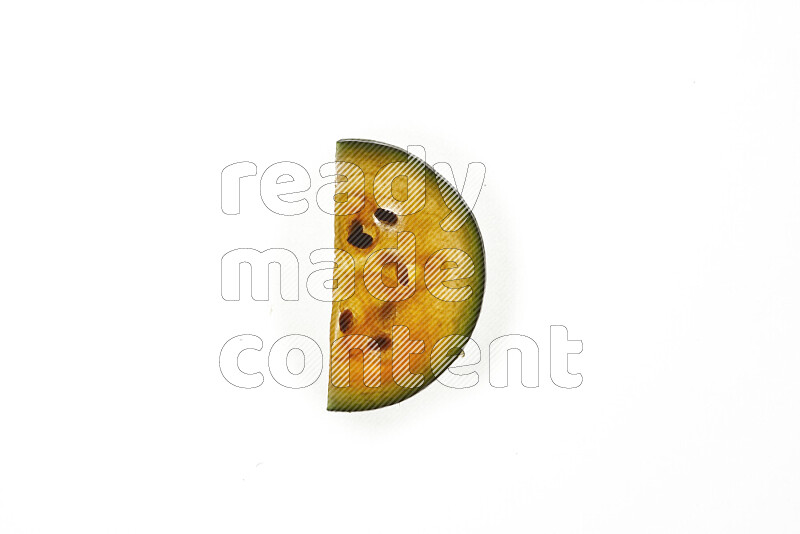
point(409, 276)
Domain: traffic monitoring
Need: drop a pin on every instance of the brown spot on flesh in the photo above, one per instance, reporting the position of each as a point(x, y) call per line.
point(380, 343)
point(402, 274)
point(386, 311)
point(394, 273)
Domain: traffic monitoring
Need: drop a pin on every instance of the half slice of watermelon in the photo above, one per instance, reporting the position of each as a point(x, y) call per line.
point(409, 276)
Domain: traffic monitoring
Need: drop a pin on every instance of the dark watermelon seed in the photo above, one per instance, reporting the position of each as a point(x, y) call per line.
point(358, 238)
point(386, 216)
point(345, 320)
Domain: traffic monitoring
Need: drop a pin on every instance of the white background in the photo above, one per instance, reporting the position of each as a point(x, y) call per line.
point(642, 190)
